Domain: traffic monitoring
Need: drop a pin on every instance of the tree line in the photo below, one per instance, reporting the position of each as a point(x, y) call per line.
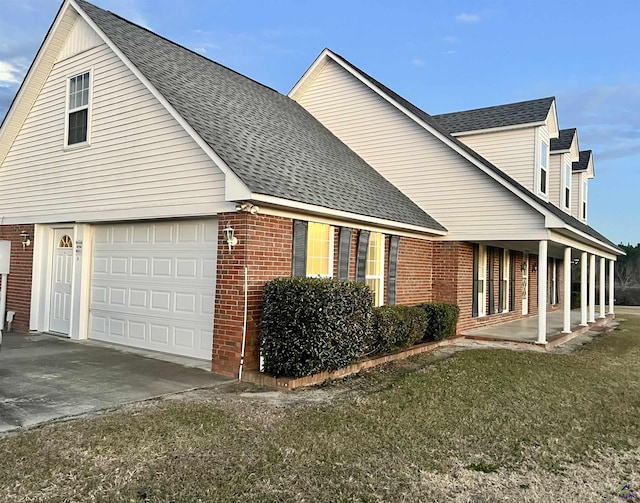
point(628, 266)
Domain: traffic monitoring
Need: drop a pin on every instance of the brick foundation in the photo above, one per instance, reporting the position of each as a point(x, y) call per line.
point(19, 279)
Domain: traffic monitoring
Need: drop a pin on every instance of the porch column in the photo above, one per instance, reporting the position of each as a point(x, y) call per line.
point(602, 283)
point(566, 327)
point(592, 288)
point(583, 289)
point(611, 285)
point(542, 292)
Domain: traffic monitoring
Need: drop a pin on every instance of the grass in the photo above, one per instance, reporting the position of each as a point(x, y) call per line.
point(482, 425)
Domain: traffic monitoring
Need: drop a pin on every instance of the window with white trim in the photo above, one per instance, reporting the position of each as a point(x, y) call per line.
point(544, 163)
point(583, 208)
point(506, 268)
point(375, 267)
point(319, 250)
point(78, 109)
point(567, 186)
point(481, 280)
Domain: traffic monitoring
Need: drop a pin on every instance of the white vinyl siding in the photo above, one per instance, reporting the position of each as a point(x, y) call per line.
point(556, 174)
point(81, 38)
point(576, 189)
point(448, 187)
point(512, 151)
point(142, 163)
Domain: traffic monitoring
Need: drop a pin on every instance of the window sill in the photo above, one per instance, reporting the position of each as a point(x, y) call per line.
point(76, 146)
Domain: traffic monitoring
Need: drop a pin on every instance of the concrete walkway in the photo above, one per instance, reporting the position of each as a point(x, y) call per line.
point(526, 329)
point(45, 378)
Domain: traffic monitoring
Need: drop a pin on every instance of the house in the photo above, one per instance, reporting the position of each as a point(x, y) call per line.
point(149, 193)
point(151, 183)
point(485, 175)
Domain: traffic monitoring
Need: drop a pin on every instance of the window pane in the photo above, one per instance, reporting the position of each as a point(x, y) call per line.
point(543, 155)
point(543, 181)
point(567, 176)
point(318, 249)
point(374, 266)
point(77, 127)
point(85, 97)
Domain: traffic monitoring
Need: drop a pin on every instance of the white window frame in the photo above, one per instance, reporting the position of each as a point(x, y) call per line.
point(482, 280)
point(68, 110)
point(566, 204)
point(380, 300)
point(543, 167)
point(506, 267)
point(584, 194)
point(329, 273)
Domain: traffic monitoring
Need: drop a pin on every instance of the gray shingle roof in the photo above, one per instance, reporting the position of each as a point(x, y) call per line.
point(511, 114)
point(269, 141)
point(564, 140)
point(428, 119)
point(583, 162)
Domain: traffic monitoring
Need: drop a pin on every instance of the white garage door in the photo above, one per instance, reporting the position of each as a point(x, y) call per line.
point(153, 286)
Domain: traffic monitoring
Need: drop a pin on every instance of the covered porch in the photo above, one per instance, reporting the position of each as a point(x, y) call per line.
point(546, 285)
point(525, 330)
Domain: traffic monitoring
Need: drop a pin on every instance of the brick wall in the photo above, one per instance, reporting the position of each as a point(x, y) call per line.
point(415, 271)
point(19, 279)
point(265, 247)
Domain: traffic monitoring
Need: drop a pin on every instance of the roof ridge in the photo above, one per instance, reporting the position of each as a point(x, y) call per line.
point(80, 2)
point(535, 100)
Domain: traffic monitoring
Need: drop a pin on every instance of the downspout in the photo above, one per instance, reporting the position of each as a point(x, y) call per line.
point(244, 322)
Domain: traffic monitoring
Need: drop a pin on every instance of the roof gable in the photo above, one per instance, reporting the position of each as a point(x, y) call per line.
point(429, 122)
point(564, 141)
point(261, 138)
point(585, 163)
point(524, 113)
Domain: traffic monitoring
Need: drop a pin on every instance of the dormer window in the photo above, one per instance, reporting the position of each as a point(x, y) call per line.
point(544, 162)
point(78, 109)
point(567, 186)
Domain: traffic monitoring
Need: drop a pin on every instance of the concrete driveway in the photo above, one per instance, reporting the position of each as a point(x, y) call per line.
point(43, 378)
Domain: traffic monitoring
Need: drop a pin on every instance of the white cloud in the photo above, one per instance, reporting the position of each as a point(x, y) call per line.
point(451, 39)
point(9, 73)
point(467, 18)
point(417, 62)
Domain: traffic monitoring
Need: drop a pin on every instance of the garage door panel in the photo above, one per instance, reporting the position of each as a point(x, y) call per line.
point(153, 286)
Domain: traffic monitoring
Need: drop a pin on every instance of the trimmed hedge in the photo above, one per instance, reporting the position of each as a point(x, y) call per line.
point(396, 327)
point(442, 319)
point(311, 325)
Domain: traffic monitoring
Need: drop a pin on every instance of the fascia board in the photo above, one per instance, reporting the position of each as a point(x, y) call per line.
point(28, 82)
point(343, 215)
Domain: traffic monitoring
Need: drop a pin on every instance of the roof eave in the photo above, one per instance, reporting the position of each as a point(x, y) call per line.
point(313, 209)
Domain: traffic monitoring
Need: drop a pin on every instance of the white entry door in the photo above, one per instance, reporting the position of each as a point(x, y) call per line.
point(60, 313)
point(153, 285)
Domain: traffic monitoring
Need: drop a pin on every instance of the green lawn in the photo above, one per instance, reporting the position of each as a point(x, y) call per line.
point(481, 425)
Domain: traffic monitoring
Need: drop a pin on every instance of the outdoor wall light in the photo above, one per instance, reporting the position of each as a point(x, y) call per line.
point(534, 268)
point(523, 266)
point(248, 207)
point(231, 240)
point(24, 239)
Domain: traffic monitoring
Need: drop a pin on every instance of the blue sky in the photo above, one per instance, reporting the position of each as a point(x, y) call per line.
point(443, 56)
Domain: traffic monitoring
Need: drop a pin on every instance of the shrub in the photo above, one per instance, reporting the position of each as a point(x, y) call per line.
point(396, 327)
point(442, 319)
point(311, 325)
